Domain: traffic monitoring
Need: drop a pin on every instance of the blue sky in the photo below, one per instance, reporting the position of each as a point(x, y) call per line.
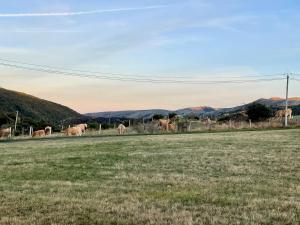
point(203, 38)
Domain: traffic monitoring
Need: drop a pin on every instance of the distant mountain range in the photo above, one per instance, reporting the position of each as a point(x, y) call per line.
point(273, 102)
point(37, 112)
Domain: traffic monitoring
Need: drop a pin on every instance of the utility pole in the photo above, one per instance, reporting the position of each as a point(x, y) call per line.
point(16, 121)
point(286, 100)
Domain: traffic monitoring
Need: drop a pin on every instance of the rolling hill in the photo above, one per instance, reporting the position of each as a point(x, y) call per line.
point(31, 109)
point(274, 102)
point(38, 112)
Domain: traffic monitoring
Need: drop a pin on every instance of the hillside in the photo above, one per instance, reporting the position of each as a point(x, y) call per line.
point(279, 102)
point(130, 114)
point(31, 109)
point(274, 102)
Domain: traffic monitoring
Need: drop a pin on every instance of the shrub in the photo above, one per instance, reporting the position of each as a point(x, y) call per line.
point(172, 115)
point(93, 125)
point(151, 127)
point(258, 112)
point(158, 116)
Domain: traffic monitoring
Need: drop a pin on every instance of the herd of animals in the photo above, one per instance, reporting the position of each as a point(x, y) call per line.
point(76, 130)
point(79, 129)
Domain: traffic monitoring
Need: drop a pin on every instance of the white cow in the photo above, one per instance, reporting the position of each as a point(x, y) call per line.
point(121, 129)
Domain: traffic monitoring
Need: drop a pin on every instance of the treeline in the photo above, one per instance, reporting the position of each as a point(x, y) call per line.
point(256, 112)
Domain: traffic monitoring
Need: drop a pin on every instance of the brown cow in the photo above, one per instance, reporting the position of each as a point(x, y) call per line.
point(5, 133)
point(83, 127)
point(163, 123)
point(172, 127)
point(281, 113)
point(39, 133)
point(121, 129)
point(74, 131)
point(166, 125)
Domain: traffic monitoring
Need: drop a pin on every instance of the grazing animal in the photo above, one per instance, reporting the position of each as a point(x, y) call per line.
point(39, 133)
point(83, 127)
point(281, 113)
point(166, 125)
point(121, 129)
point(5, 133)
point(48, 130)
point(74, 131)
point(172, 127)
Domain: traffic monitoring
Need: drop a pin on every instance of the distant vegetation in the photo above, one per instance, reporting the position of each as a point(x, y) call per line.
point(33, 111)
point(158, 116)
point(39, 113)
point(258, 112)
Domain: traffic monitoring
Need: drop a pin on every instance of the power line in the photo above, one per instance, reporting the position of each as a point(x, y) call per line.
point(47, 69)
point(135, 76)
point(134, 79)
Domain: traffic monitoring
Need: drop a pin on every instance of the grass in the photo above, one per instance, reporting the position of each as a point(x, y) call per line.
point(210, 178)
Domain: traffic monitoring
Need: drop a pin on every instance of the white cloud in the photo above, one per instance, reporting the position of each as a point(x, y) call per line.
point(43, 30)
point(78, 13)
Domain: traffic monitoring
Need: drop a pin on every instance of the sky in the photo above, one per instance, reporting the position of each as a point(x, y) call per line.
point(191, 39)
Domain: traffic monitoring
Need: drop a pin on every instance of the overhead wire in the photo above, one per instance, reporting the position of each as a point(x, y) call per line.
point(121, 77)
point(135, 75)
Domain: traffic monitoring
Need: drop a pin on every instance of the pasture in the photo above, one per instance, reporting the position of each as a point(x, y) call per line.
point(250, 177)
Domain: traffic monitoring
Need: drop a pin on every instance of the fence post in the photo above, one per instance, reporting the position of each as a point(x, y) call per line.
point(144, 124)
point(250, 123)
point(230, 124)
point(16, 121)
point(190, 124)
point(30, 130)
point(100, 128)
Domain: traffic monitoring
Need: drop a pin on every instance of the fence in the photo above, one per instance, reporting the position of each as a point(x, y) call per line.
point(186, 126)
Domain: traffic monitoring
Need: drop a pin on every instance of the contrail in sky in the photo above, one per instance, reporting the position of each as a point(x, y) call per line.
point(78, 13)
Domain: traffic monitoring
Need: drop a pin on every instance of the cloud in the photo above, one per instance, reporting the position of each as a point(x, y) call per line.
point(78, 13)
point(28, 30)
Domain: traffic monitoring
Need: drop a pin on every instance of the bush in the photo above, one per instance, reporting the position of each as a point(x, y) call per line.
point(238, 116)
point(106, 126)
point(193, 117)
point(93, 125)
point(150, 128)
point(158, 117)
point(172, 115)
point(296, 110)
point(224, 118)
point(258, 112)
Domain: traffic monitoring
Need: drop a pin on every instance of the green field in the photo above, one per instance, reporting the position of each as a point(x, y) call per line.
point(250, 177)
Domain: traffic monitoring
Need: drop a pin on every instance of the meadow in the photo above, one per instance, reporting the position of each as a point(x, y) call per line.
point(247, 177)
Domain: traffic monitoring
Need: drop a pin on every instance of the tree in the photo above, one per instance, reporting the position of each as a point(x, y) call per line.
point(158, 116)
point(258, 112)
point(172, 115)
point(93, 125)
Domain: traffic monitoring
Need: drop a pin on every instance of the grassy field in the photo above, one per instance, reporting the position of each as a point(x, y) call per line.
point(210, 178)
